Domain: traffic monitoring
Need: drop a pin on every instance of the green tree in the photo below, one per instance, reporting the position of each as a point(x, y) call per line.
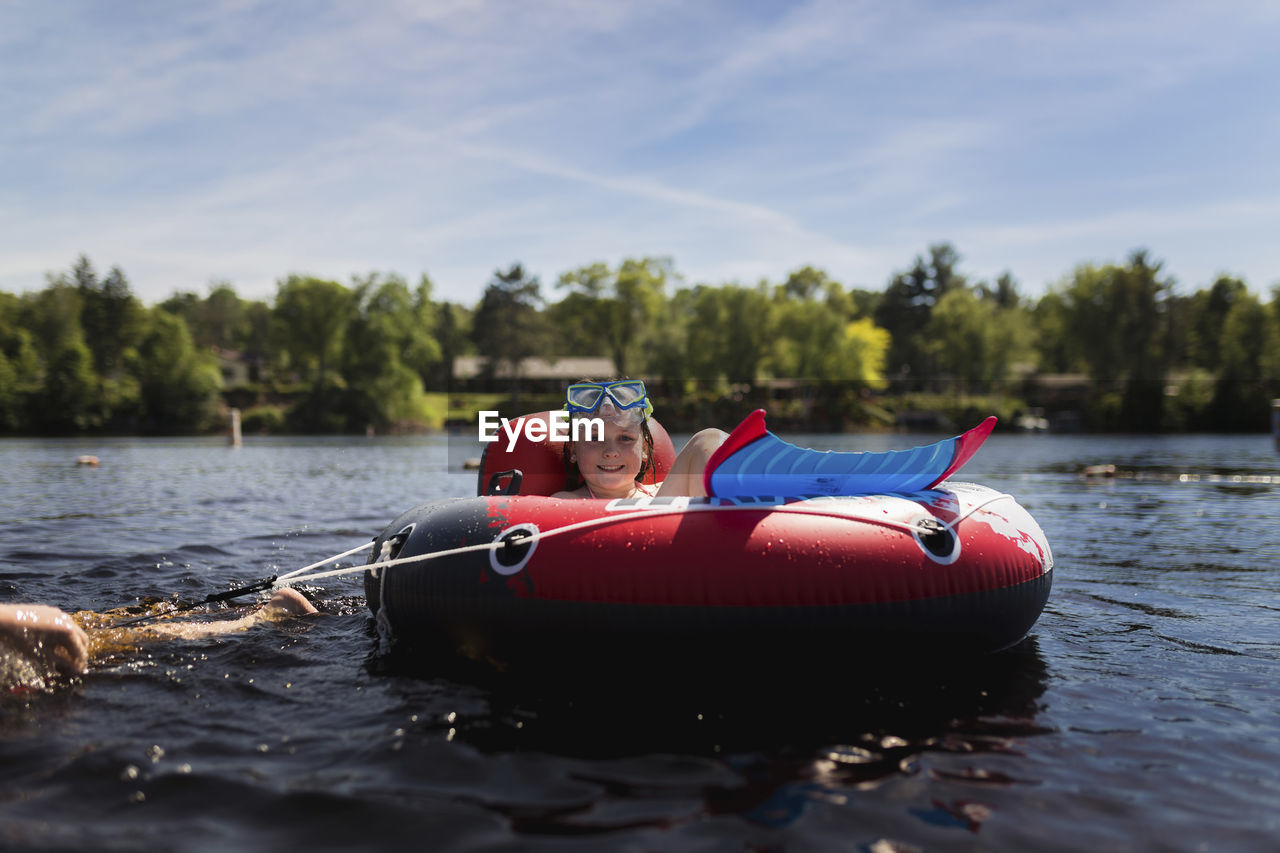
point(224, 319)
point(257, 323)
point(976, 341)
point(68, 396)
point(220, 319)
point(616, 311)
point(453, 334)
point(19, 366)
point(1004, 293)
point(669, 357)
point(421, 350)
point(67, 399)
point(704, 342)
point(389, 347)
point(907, 305)
point(862, 354)
point(1248, 340)
point(186, 305)
point(730, 333)
point(508, 328)
point(810, 315)
point(309, 318)
point(1056, 349)
point(806, 335)
point(836, 360)
point(1207, 315)
point(1117, 318)
point(53, 316)
point(582, 317)
point(178, 384)
point(836, 357)
point(112, 319)
point(747, 334)
point(806, 284)
point(1271, 354)
point(109, 314)
point(864, 303)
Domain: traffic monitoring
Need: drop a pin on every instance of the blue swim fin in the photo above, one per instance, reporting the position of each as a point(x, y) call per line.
point(754, 462)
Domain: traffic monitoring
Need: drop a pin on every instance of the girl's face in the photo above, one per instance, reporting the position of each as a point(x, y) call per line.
point(610, 466)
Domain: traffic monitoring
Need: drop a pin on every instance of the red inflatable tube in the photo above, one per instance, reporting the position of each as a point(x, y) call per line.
point(956, 568)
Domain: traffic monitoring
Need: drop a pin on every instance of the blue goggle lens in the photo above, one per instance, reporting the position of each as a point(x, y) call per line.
point(587, 397)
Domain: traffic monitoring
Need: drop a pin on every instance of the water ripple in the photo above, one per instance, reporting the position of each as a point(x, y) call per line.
point(1144, 698)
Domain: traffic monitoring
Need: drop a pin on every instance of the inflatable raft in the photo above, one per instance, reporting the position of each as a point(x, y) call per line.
point(959, 567)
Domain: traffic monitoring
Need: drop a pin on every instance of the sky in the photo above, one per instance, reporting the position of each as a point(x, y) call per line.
point(242, 141)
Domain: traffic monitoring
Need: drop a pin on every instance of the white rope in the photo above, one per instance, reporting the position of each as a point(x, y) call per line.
point(290, 579)
point(976, 507)
point(294, 576)
point(324, 562)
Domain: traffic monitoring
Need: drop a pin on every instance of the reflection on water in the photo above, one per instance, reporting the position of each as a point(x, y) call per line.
point(763, 749)
point(1139, 708)
point(572, 711)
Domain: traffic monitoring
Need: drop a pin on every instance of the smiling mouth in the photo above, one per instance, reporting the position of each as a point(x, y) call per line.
point(612, 469)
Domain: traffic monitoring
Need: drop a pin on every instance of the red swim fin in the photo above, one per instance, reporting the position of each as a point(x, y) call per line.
point(968, 444)
point(751, 428)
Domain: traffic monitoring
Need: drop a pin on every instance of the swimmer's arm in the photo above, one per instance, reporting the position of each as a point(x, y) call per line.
point(286, 602)
point(45, 634)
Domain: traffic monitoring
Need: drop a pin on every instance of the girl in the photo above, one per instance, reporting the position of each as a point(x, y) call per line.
point(614, 465)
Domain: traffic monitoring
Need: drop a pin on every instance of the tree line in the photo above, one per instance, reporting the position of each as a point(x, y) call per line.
point(84, 355)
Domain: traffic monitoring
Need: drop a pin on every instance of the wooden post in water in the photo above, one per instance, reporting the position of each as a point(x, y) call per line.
point(234, 436)
point(1275, 423)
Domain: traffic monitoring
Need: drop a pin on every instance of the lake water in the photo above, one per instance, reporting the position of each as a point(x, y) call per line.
point(1143, 712)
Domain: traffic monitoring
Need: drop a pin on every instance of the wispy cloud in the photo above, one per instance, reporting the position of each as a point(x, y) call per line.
point(244, 140)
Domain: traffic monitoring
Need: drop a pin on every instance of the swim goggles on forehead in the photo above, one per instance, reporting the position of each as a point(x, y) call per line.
point(625, 399)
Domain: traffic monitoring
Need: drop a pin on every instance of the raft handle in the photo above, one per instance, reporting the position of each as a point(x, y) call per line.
point(512, 488)
point(938, 540)
point(518, 544)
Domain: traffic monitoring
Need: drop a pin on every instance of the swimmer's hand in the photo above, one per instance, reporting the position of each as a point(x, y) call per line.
point(45, 635)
